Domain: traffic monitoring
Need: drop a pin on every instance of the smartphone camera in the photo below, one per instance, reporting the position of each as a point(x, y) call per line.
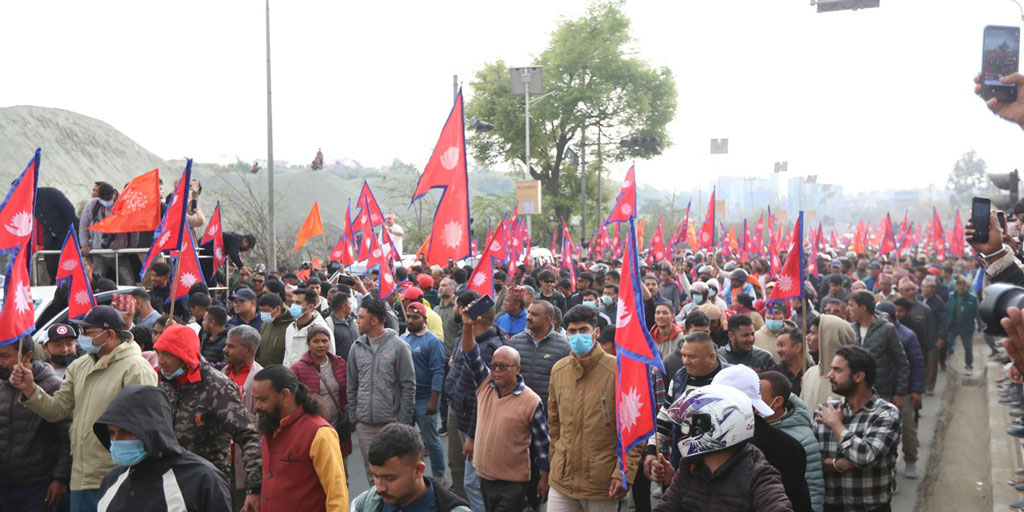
point(999, 57)
point(992, 309)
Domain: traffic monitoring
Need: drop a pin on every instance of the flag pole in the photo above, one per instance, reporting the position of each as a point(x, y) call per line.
point(174, 285)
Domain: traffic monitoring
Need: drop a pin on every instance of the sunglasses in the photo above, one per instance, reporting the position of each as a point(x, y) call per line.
point(832, 310)
point(501, 367)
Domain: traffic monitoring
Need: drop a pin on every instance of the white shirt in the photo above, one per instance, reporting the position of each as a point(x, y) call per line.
point(295, 339)
point(397, 234)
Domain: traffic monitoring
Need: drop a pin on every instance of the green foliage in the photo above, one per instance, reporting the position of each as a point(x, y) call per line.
point(598, 86)
point(966, 179)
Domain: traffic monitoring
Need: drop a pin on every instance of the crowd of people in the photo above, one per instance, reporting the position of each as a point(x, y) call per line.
point(250, 400)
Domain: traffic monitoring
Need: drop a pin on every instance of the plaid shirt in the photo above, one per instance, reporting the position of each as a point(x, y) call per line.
point(539, 437)
point(870, 441)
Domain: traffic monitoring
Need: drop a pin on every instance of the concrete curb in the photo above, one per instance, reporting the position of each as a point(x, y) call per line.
point(943, 418)
point(1005, 454)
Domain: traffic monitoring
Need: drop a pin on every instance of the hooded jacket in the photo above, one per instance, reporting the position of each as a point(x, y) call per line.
point(381, 380)
point(207, 410)
point(892, 375)
point(170, 477)
point(272, 339)
point(797, 424)
point(90, 383)
point(42, 450)
point(833, 332)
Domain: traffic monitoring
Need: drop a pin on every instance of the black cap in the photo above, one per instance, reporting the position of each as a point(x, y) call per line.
point(244, 294)
point(60, 331)
point(105, 317)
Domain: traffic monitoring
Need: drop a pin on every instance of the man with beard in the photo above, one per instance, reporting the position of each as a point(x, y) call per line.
point(396, 460)
point(302, 468)
point(741, 348)
point(38, 453)
point(859, 436)
point(61, 347)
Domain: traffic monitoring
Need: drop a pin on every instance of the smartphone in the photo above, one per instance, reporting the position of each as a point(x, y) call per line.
point(980, 211)
point(1001, 217)
point(1000, 55)
point(480, 307)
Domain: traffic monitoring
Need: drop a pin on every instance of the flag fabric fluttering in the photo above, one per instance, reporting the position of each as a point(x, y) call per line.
point(17, 316)
point(136, 209)
point(481, 280)
point(625, 203)
point(635, 354)
point(790, 283)
point(187, 271)
point(311, 227)
point(71, 267)
point(215, 233)
point(888, 242)
point(17, 212)
point(369, 210)
point(956, 239)
point(168, 235)
point(707, 230)
point(377, 259)
point(446, 169)
point(657, 253)
point(568, 249)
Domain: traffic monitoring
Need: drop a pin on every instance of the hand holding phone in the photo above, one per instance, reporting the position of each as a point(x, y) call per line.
point(1000, 58)
point(981, 208)
point(479, 307)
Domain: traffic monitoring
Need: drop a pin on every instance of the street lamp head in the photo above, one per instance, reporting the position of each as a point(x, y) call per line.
point(480, 126)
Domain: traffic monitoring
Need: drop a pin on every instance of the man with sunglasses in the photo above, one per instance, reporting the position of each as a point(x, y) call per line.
point(834, 307)
point(510, 419)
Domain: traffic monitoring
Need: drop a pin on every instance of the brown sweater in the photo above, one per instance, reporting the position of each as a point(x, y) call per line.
point(501, 448)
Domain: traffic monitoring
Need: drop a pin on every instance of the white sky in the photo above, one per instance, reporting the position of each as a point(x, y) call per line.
point(880, 98)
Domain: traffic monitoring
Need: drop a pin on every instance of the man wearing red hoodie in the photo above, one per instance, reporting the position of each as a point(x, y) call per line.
point(207, 411)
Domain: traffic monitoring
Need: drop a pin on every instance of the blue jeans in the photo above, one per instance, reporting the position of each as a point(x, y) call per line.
point(28, 498)
point(472, 485)
point(84, 500)
point(967, 340)
point(428, 430)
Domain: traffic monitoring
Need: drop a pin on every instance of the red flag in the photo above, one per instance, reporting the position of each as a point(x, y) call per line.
point(957, 237)
point(790, 283)
point(679, 236)
point(481, 280)
point(315, 264)
point(368, 209)
point(80, 297)
point(386, 285)
point(657, 250)
point(449, 238)
point(17, 212)
point(187, 270)
point(888, 243)
point(387, 240)
point(707, 230)
point(168, 235)
point(310, 228)
point(137, 208)
point(759, 235)
point(635, 353)
point(215, 233)
point(343, 250)
point(365, 245)
point(625, 203)
point(17, 316)
point(567, 253)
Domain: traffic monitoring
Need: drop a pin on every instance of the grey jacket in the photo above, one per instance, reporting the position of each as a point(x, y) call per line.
point(797, 424)
point(538, 358)
point(35, 450)
point(381, 380)
point(892, 375)
point(94, 239)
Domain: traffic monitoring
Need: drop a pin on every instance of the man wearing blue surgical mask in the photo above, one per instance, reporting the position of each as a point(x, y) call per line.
point(584, 473)
point(276, 319)
point(303, 309)
point(136, 428)
point(113, 361)
point(774, 322)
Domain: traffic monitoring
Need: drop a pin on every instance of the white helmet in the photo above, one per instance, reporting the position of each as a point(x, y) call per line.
point(712, 418)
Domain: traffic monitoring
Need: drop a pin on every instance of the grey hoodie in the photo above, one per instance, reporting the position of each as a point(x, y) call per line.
point(797, 424)
point(381, 380)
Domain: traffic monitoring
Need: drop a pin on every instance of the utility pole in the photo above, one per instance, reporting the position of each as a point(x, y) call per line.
point(583, 185)
point(455, 88)
point(272, 252)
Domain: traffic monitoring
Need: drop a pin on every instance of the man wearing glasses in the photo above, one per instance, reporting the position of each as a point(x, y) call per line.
point(834, 307)
point(258, 280)
point(510, 419)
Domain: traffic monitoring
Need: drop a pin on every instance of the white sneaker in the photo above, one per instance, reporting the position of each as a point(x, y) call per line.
point(910, 470)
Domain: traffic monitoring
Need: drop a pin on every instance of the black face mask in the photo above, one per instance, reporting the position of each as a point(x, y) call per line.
point(498, 287)
point(63, 361)
point(5, 374)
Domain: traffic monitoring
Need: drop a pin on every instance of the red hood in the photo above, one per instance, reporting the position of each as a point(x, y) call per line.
point(183, 342)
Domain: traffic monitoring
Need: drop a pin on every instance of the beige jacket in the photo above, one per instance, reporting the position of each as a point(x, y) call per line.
point(581, 422)
point(833, 332)
point(88, 388)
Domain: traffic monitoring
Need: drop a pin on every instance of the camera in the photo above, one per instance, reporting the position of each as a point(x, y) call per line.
point(992, 309)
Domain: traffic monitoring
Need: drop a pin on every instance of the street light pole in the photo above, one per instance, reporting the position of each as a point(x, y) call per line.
point(272, 253)
point(583, 184)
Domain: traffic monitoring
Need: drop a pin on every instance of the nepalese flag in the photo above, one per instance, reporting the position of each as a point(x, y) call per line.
point(169, 234)
point(386, 284)
point(938, 236)
point(775, 264)
point(888, 242)
point(368, 203)
point(956, 239)
point(759, 234)
point(625, 203)
point(366, 244)
point(745, 243)
point(362, 219)
point(446, 169)
point(656, 254)
point(527, 243)
point(388, 242)
point(19, 206)
point(187, 270)
point(790, 283)
point(812, 260)
point(635, 354)
point(214, 233)
point(514, 241)
point(481, 280)
point(832, 237)
point(71, 267)
point(707, 230)
point(679, 236)
point(17, 315)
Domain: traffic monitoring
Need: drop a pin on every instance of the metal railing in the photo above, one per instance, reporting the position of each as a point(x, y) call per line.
point(38, 258)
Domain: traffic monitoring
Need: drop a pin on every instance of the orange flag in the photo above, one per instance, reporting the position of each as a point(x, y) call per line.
point(137, 208)
point(312, 227)
point(733, 243)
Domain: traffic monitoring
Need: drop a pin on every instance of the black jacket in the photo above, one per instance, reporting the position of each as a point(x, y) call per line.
point(33, 449)
point(745, 482)
point(233, 247)
point(56, 214)
point(788, 456)
point(146, 412)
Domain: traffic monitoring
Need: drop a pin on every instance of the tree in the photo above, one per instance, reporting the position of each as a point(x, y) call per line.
point(966, 178)
point(596, 85)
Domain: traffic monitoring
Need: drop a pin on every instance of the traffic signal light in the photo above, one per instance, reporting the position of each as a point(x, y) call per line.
point(651, 145)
